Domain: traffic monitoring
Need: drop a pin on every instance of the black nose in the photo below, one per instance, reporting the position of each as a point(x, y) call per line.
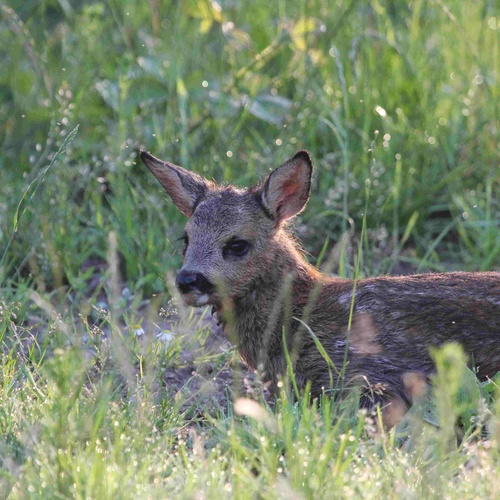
point(187, 281)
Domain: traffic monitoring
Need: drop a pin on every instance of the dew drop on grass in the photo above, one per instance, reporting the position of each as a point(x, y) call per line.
point(478, 80)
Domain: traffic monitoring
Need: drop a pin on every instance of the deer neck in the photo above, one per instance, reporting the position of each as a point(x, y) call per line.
point(280, 291)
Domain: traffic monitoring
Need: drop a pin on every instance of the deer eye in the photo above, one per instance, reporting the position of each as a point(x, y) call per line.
point(236, 248)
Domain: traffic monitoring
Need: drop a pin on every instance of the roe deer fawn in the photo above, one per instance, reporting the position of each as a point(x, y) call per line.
point(240, 259)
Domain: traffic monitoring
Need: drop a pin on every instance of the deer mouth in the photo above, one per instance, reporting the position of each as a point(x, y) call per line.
point(196, 290)
point(198, 299)
point(217, 315)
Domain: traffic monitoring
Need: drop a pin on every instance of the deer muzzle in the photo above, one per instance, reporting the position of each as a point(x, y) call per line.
point(193, 283)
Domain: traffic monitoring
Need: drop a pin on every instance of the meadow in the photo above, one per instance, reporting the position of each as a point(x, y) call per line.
point(109, 386)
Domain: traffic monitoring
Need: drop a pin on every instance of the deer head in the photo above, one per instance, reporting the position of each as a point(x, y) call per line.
point(233, 235)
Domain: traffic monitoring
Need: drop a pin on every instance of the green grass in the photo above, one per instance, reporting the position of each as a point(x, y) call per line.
point(400, 97)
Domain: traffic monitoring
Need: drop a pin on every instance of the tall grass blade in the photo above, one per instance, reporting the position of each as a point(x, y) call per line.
point(32, 189)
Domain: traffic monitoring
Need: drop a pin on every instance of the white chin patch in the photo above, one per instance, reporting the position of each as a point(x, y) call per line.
point(202, 300)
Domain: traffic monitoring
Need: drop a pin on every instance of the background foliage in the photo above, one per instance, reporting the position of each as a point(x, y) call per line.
point(398, 104)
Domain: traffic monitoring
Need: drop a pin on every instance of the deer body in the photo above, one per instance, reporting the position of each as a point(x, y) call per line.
point(240, 259)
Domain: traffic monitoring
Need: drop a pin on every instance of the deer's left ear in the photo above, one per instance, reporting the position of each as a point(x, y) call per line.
point(285, 192)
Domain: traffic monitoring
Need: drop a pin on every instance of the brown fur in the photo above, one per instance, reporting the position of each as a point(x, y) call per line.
point(272, 289)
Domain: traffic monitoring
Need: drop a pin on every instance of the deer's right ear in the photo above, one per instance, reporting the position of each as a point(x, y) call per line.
point(184, 187)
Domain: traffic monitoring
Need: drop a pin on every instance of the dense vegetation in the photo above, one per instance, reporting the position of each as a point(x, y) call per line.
point(106, 391)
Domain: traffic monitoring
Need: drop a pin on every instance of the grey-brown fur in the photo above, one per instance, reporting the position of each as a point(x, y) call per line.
point(270, 288)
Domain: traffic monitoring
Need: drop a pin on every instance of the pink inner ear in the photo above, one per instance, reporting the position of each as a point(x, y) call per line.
point(290, 187)
point(291, 196)
point(286, 190)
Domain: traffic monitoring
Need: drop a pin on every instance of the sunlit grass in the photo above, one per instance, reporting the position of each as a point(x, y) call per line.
point(72, 428)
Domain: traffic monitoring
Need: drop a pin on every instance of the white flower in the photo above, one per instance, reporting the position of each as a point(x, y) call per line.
point(138, 331)
point(165, 336)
